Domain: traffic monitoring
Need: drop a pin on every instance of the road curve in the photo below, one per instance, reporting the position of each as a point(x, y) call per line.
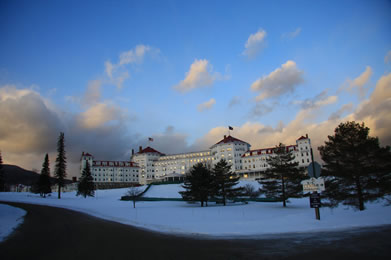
point(55, 233)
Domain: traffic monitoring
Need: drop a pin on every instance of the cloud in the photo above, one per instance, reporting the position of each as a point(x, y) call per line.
point(279, 82)
point(234, 101)
point(93, 92)
point(255, 43)
point(261, 109)
point(206, 105)
point(135, 55)
point(344, 109)
point(30, 125)
point(199, 75)
point(374, 112)
point(387, 58)
point(99, 115)
point(322, 99)
point(117, 73)
point(291, 35)
point(357, 85)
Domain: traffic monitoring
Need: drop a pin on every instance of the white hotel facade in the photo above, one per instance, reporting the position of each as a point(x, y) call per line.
point(149, 165)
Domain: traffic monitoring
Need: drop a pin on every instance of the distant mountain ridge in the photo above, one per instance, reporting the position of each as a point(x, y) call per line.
point(17, 175)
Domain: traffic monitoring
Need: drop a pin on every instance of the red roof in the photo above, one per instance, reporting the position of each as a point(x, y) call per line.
point(229, 139)
point(266, 150)
point(149, 150)
point(115, 164)
point(302, 138)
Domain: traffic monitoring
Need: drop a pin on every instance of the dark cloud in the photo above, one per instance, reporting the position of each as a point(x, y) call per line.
point(30, 126)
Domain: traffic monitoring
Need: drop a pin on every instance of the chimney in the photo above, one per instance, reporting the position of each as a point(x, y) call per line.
point(140, 149)
point(225, 136)
point(306, 135)
point(132, 151)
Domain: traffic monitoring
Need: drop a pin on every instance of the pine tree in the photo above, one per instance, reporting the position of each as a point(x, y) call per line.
point(86, 185)
point(283, 179)
point(60, 171)
point(2, 177)
point(197, 184)
point(224, 182)
point(44, 179)
point(356, 168)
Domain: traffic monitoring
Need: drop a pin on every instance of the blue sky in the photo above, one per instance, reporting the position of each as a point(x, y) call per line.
point(182, 71)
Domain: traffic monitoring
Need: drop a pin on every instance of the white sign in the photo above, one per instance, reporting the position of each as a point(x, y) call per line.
point(313, 184)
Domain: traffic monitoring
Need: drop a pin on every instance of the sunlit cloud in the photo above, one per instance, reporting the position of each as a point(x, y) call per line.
point(279, 82)
point(30, 125)
point(255, 43)
point(206, 105)
point(200, 75)
point(357, 85)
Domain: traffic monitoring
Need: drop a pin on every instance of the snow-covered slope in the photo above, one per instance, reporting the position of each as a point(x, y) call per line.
point(234, 220)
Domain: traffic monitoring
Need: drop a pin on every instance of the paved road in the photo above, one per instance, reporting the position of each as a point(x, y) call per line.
point(54, 233)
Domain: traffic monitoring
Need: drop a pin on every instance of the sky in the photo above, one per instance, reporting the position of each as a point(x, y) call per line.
point(110, 74)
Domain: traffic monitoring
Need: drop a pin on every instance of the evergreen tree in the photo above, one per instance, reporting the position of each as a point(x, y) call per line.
point(197, 184)
point(2, 177)
point(86, 185)
point(43, 186)
point(283, 177)
point(356, 168)
point(224, 182)
point(60, 171)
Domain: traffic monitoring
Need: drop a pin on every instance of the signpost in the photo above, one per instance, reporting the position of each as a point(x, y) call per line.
point(315, 184)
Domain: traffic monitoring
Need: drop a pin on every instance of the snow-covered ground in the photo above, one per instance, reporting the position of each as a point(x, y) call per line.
point(235, 220)
point(172, 190)
point(10, 218)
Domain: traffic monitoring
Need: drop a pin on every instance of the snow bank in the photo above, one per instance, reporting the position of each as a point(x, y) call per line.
point(164, 191)
point(235, 220)
point(172, 190)
point(10, 219)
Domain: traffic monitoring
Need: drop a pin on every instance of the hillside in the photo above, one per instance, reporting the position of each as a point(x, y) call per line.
point(16, 175)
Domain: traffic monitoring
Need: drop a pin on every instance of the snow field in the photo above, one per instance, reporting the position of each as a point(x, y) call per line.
point(254, 219)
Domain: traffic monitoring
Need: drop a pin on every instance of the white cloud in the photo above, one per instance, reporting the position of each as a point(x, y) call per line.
point(117, 72)
point(255, 43)
point(199, 75)
point(206, 105)
point(387, 58)
point(291, 35)
point(133, 56)
point(280, 81)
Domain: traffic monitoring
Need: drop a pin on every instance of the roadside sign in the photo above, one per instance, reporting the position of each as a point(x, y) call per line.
point(314, 169)
point(315, 200)
point(313, 184)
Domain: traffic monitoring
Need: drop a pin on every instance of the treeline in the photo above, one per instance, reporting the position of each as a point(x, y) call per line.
point(203, 183)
